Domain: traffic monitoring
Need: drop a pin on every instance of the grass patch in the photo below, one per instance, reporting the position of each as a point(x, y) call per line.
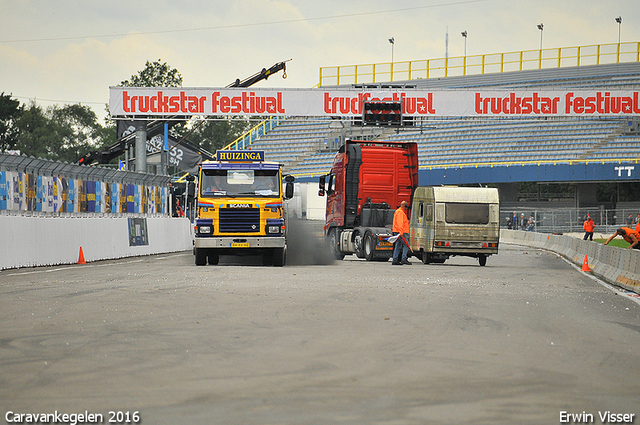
point(616, 242)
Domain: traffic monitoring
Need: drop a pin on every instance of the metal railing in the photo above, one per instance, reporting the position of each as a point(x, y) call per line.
point(570, 220)
point(244, 141)
point(596, 54)
point(532, 162)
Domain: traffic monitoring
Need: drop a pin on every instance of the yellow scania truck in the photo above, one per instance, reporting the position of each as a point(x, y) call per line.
point(241, 208)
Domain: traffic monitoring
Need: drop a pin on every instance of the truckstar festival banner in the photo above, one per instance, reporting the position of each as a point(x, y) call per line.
point(142, 102)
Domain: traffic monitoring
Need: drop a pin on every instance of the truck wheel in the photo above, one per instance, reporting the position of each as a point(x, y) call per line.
point(201, 257)
point(426, 258)
point(280, 257)
point(482, 259)
point(333, 240)
point(359, 246)
point(369, 247)
point(213, 259)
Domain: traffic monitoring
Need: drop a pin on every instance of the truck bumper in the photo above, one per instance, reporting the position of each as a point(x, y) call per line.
point(240, 242)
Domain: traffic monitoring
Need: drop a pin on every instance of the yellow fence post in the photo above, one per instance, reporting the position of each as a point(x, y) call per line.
point(559, 57)
point(621, 56)
point(540, 60)
point(578, 56)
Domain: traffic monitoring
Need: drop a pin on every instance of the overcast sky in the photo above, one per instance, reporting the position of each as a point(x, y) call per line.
point(71, 51)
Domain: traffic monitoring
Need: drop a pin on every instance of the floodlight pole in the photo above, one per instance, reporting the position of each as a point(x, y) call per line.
point(464, 60)
point(619, 21)
point(541, 28)
point(393, 42)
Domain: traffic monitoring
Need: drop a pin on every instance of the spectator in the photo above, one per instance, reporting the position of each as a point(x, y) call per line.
point(531, 224)
point(628, 235)
point(588, 227)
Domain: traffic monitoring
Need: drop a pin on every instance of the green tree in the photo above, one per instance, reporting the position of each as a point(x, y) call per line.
point(10, 111)
point(61, 133)
point(214, 135)
point(38, 136)
point(79, 128)
point(155, 74)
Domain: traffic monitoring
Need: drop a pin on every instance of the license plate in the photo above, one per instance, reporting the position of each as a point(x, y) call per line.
point(240, 245)
point(384, 243)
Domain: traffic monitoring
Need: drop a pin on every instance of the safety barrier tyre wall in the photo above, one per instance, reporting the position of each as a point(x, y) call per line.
point(618, 266)
point(37, 241)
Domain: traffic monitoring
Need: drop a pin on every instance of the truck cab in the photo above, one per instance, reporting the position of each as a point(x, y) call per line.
point(240, 208)
point(367, 183)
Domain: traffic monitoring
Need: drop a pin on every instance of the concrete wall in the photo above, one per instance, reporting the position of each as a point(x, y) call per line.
point(617, 266)
point(38, 241)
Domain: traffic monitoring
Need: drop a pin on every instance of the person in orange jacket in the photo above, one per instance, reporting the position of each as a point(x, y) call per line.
point(588, 227)
point(628, 235)
point(401, 227)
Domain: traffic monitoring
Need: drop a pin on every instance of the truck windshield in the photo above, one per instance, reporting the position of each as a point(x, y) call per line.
point(466, 213)
point(237, 183)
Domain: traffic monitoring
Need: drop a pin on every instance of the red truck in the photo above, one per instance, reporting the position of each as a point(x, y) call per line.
point(367, 183)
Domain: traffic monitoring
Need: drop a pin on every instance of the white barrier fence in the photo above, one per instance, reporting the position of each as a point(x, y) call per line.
point(617, 266)
point(38, 241)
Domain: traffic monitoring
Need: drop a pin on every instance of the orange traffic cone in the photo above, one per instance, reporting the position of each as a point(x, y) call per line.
point(81, 257)
point(585, 264)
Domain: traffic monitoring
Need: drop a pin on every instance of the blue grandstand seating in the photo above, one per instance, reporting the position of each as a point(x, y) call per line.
point(301, 143)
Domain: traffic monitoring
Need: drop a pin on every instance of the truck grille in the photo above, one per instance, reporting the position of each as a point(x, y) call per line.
point(239, 220)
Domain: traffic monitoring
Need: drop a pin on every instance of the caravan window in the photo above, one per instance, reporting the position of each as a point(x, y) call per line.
point(465, 213)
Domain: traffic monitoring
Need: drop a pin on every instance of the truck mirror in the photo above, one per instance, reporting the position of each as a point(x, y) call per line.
point(322, 185)
point(288, 190)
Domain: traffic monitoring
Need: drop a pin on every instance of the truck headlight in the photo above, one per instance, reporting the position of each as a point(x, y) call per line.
point(205, 230)
point(273, 229)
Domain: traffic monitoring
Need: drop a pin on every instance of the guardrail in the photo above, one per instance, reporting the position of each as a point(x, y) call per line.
point(569, 220)
point(595, 54)
point(534, 162)
point(34, 186)
point(617, 266)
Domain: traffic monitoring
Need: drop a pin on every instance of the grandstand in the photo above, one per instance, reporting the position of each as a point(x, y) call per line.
point(307, 146)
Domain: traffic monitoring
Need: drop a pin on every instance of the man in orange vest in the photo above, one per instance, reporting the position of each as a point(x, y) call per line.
point(401, 227)
point(628, 235)
point(588, 227)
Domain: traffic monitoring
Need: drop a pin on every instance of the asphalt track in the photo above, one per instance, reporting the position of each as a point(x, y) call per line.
point(519, 341)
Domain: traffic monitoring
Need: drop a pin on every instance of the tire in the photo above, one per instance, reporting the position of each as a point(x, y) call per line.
point(482, 259)
point(201, 257)
point(369, 247)
point(426, 258)
point(214, 258)
point(333, 242)
point(359, 246)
